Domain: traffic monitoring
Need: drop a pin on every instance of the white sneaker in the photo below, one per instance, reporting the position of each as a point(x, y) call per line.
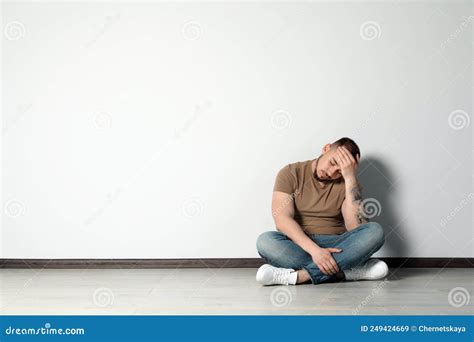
point(271, 275)
point(373, 269)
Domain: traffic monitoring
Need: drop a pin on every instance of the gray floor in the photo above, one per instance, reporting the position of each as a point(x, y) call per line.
point(409, 291)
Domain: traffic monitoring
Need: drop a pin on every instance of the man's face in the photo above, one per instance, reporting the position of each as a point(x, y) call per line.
point(327, 169)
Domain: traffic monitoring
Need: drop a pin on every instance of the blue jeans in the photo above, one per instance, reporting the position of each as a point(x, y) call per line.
point(357, 246)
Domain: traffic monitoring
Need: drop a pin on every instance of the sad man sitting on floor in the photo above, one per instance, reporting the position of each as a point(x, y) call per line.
point(323, 233)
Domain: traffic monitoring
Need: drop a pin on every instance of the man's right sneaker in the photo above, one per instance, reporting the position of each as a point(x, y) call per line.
point(271, 275)
point(373, 269)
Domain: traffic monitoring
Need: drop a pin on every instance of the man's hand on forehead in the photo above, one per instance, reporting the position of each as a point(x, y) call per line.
point(346, 161)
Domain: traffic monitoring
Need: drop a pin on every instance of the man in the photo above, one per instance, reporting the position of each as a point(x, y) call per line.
point(323, 234)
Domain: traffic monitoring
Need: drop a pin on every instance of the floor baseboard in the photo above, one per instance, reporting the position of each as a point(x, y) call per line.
point(208, 263)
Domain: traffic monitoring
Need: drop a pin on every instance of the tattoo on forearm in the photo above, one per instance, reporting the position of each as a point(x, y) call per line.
point(356, 193)
point(361, 216)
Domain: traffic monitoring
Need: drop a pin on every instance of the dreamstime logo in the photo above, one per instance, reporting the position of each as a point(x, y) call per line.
point(458, 119)
point(192, 207)
point(370, 30)
point(108, 21)
point(199, 110)
point(110, 197)
point(103, 297)
point(458, 297)
point(102, 120)
point(280, 119)
point(457, 32)
point(365, 123)
point(281, 296)
point(14, 208)
point(14, 30)
point(371, 207)
point(456, 209)
point(287, 201)
point(369, 298)
point(191, 30)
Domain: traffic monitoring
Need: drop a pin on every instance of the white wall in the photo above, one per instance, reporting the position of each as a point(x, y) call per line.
point(155, 130)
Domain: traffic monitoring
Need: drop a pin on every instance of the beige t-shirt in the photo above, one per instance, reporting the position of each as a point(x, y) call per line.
point(317, 208)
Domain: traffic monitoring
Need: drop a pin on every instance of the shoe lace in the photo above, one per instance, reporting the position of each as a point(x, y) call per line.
point(282, 274)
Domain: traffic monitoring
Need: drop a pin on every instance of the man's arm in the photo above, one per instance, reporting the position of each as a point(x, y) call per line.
point(283, 212)
point(352, 208)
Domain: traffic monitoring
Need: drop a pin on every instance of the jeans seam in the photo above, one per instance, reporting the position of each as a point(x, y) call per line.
point(310, 275)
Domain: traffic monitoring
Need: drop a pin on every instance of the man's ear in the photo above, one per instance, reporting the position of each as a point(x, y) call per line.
point(326, 148)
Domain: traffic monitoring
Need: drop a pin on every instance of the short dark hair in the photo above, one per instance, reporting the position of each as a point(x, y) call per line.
point(349, 144)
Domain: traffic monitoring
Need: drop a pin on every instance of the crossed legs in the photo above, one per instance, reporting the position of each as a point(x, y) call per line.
point(357, 246)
